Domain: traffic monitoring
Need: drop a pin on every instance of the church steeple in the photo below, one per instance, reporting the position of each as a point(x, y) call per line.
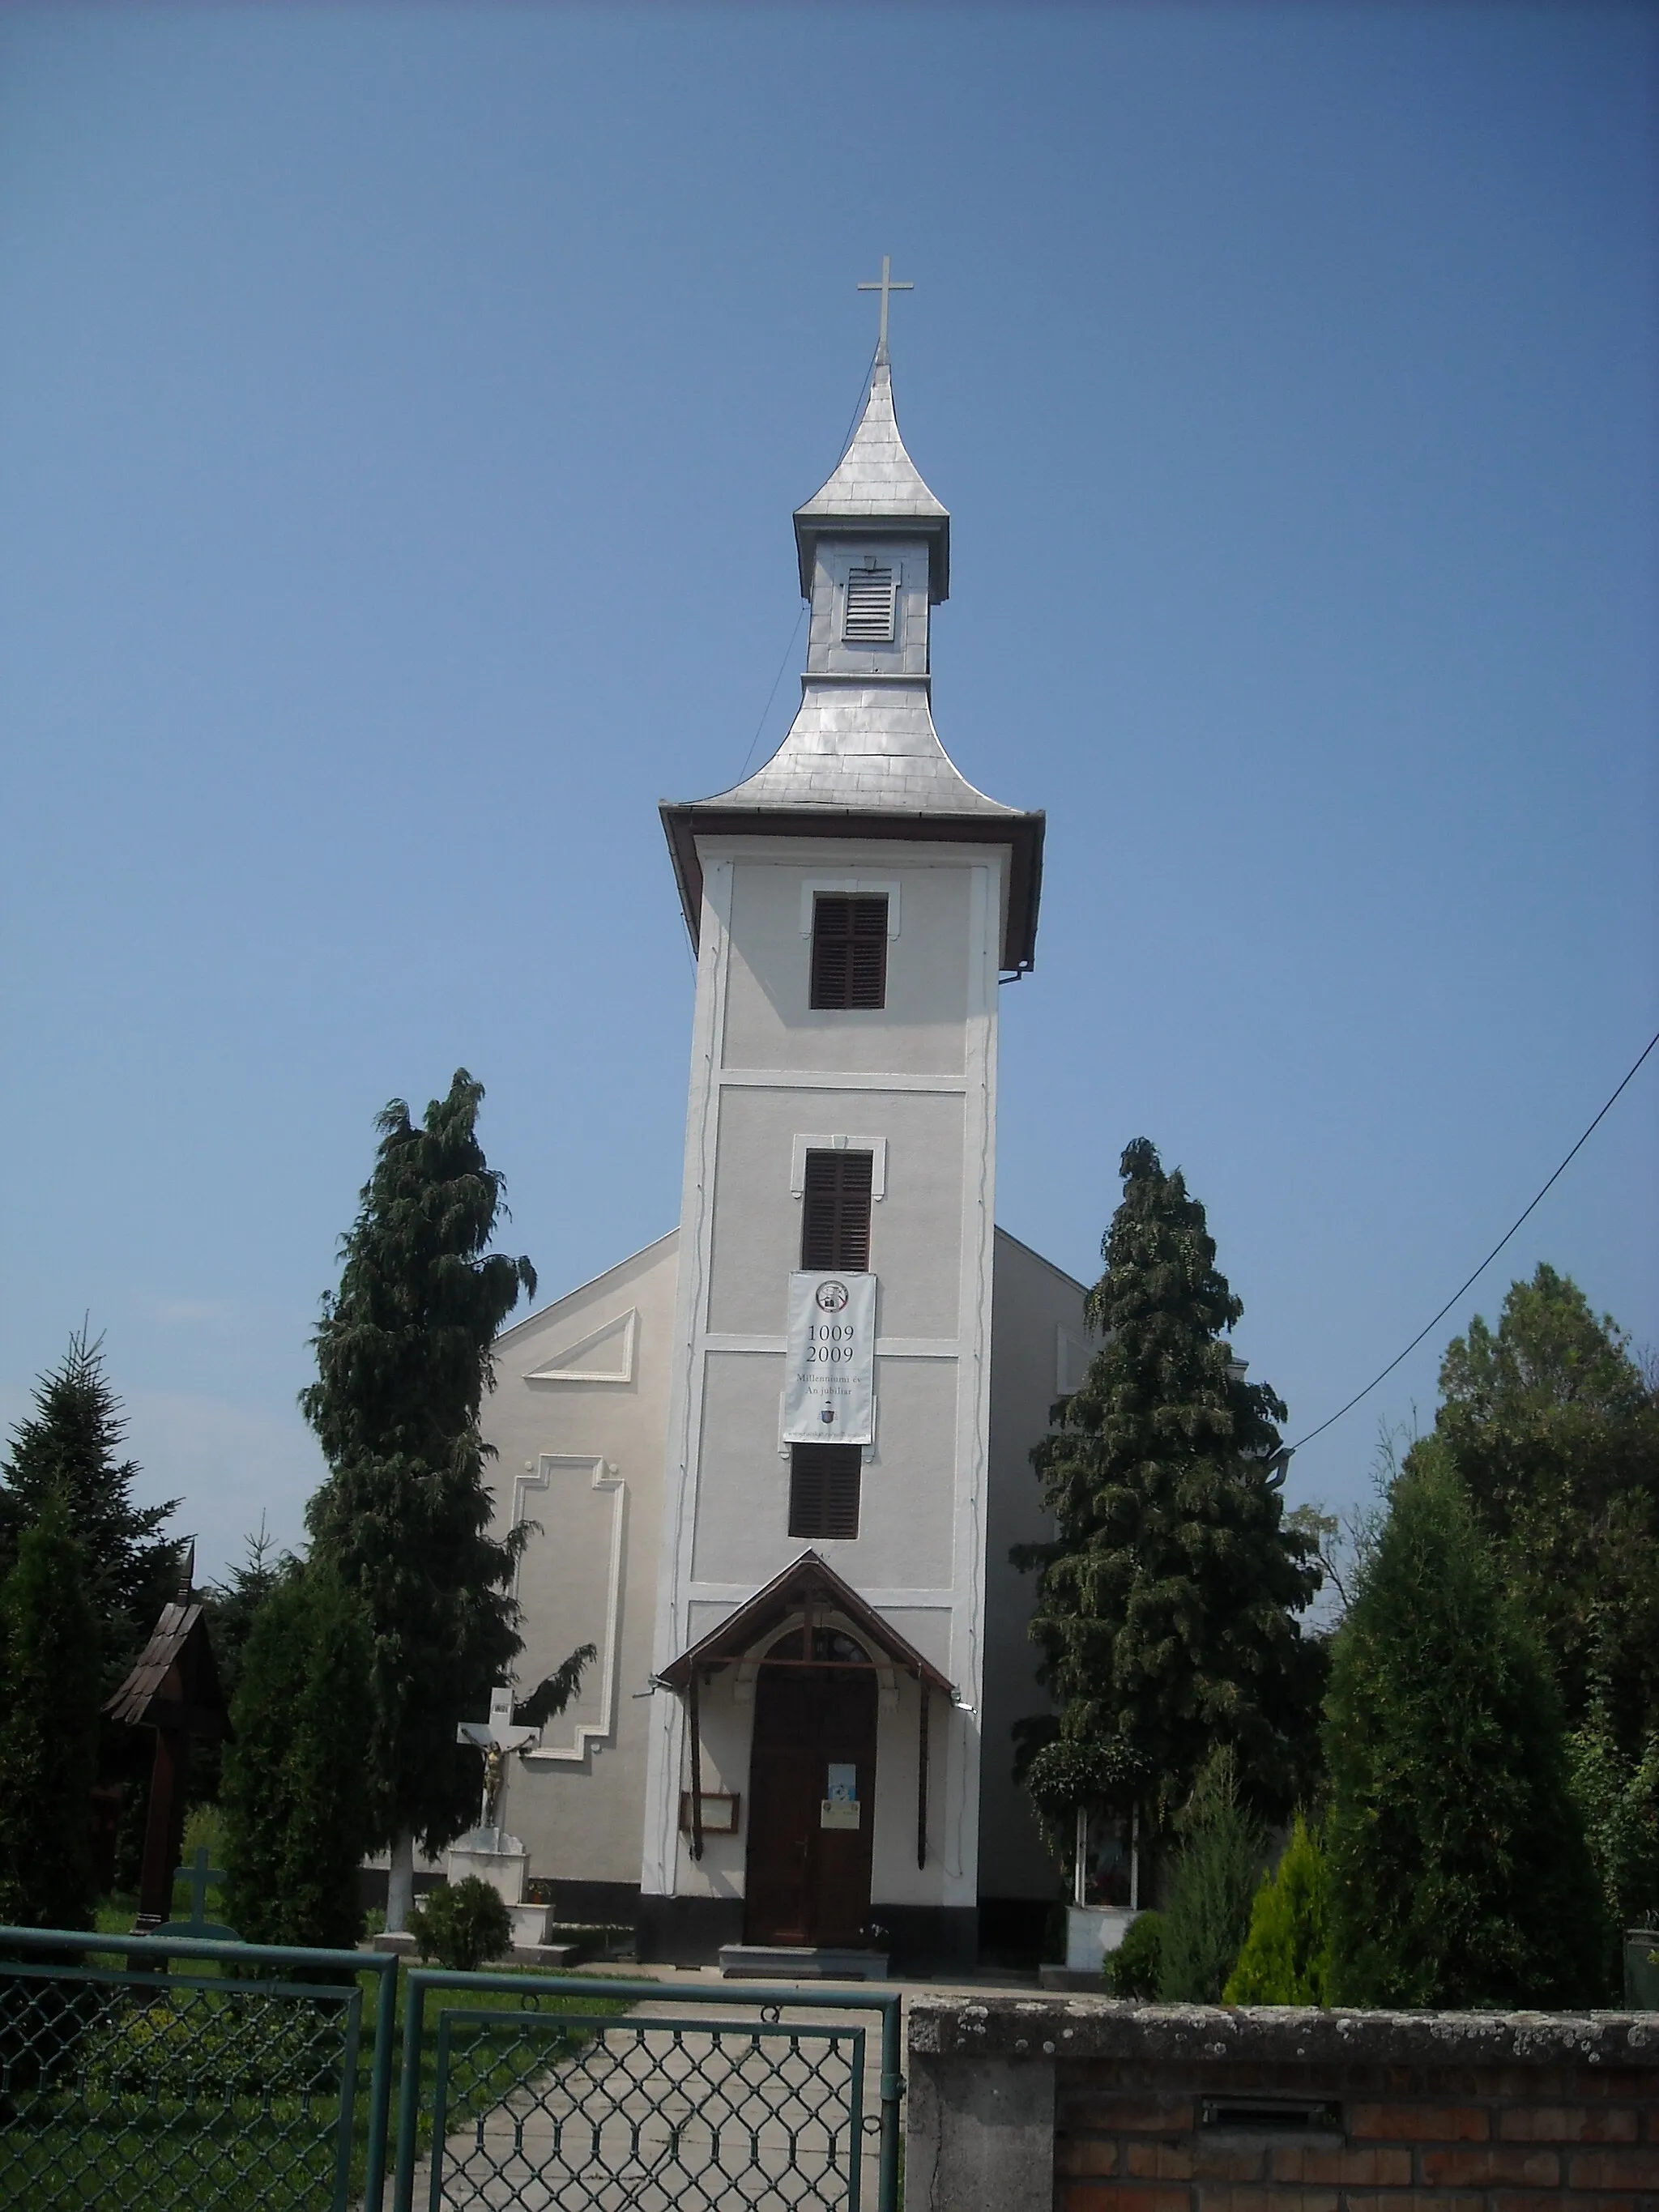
point(861, 758)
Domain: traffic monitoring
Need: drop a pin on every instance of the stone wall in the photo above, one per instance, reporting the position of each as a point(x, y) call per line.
point(1082, 2104)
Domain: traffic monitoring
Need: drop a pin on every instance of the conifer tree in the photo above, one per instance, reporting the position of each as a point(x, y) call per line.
point(1165, 1607)
point(232, 1606)
point(51, 1683)
point(67, 1450)
point(403, 1359)
point(1286, 1958)
point(1212, 1878)
point(1553, 1428)
point(1459, 1874)
point(294, 1794)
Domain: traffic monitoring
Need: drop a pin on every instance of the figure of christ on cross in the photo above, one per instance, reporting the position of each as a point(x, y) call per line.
point(495, 1737)
point(889, 284)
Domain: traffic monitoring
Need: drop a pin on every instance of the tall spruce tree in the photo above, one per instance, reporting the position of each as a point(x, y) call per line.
point(51, 1682)
point(403, 1359)
point(1166, 1605)
point(67, 1450)
point(295, 1792)
point(1458, 1870)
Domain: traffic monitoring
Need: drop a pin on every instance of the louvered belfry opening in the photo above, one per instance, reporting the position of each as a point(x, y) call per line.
point(835, 1229)
point(849, 950)
point(869, 616)
point(824, 1489)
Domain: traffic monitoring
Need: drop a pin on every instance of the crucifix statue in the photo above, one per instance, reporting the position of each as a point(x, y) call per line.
point(889, 284)
point(496, 1738)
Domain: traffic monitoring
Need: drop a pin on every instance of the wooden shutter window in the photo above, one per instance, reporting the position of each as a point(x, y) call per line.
point(849, 950)
point(869, 616)
point(824, 1489)
point(835, 1229)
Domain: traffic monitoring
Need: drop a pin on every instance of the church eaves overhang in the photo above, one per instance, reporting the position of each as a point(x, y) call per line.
point(1021, 835)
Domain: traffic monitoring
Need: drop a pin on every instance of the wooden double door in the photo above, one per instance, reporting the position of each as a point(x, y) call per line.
point(808, 1877)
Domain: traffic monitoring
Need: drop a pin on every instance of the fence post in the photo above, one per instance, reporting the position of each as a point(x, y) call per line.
point(409, 2099)
point(380, 2088)
point(892, 2088)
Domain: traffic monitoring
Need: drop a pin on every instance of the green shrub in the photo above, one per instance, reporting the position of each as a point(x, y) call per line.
point(462, 1924)
point(1286, 1959)
point(1134, 1969)
point(1212, 1879)
point(1619, 1798)
point(206, 2044)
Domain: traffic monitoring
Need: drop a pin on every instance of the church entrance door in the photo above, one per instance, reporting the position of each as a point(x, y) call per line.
point(811, 1796)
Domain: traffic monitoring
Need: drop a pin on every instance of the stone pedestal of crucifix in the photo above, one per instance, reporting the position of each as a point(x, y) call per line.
point(488, 1851)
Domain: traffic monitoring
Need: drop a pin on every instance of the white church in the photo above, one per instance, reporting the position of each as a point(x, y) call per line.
point(776, 1460)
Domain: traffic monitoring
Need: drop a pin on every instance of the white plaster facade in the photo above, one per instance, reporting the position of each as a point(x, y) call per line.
point(638, 1419)
point(557, 1416)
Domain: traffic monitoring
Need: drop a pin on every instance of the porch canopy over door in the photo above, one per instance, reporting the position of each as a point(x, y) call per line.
point(813, 1589)
point(809, 1586)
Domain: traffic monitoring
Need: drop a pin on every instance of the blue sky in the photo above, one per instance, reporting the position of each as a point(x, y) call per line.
point(401, 408)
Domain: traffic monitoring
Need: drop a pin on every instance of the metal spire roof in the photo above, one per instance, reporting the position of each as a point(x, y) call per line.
point(865, 748)
point(862, 758)
point(876, 482)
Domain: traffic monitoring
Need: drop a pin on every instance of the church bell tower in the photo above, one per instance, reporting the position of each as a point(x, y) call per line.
point(813, 1777)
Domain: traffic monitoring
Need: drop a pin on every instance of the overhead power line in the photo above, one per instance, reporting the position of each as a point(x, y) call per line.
point(1485, 1263)
point(787, 651)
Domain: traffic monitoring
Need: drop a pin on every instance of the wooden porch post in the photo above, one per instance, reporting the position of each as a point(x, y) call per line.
point(696, 1767)
point(921, 1772)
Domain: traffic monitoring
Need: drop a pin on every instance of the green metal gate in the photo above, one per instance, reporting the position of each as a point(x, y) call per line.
point(585, 2095)
point(166, 2073)
point(171, 2074)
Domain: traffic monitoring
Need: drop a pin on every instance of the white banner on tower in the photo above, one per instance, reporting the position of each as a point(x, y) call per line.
point(829, 1391)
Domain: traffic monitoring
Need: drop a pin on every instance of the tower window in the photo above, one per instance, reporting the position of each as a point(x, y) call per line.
point(835, 1229)
point(824, 1489)
point(849, 950)
point(869, 616)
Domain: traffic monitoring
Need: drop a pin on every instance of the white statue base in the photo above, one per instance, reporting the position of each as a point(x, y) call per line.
point(1093, 1930)
point(501, 1861)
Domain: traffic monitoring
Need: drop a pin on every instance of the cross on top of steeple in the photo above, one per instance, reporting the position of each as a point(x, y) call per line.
point(887, 285)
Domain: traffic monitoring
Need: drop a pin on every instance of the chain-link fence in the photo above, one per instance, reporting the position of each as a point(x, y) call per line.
point(171, 2074)
point(175, 2075)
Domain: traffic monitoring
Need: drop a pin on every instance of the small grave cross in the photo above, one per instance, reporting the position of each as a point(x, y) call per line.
point(200, 1878)
point(889, 284)
point(496, 1738)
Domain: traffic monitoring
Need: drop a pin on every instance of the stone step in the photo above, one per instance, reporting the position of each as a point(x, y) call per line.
point(798, 1962)
point(551, 1955)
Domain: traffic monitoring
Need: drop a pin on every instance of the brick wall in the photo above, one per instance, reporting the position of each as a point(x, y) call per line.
point(1171, 2109)
point(1433, 2138)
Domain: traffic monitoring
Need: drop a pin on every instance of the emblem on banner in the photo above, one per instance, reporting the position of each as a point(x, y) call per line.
point(831, 1297)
